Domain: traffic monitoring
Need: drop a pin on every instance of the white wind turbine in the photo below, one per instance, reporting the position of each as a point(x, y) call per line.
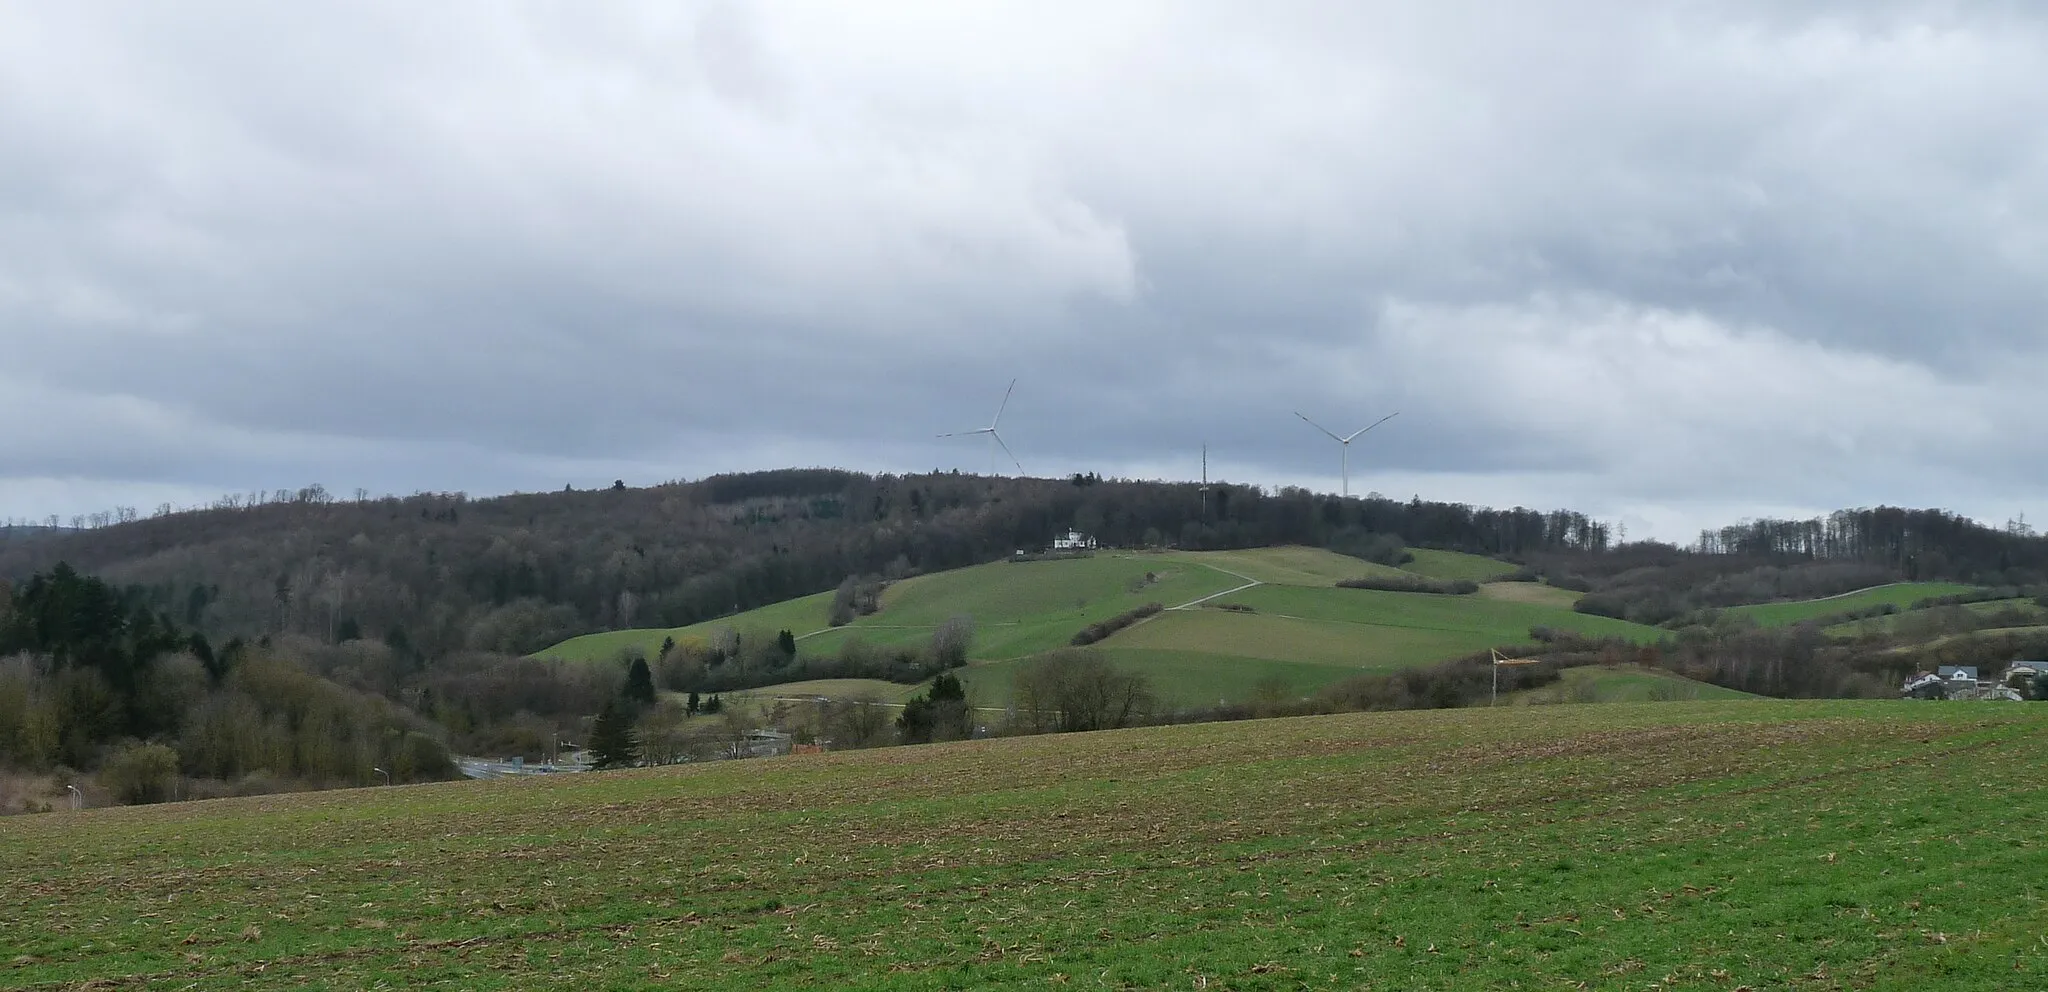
point(990, 430)
point(1345, 441)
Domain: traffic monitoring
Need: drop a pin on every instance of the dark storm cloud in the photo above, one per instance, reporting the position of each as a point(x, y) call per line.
point(1664, 263)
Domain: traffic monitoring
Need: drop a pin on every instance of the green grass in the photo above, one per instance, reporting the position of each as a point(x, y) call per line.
point(1899, 594)
point(1895, 622)
point(1453, 565)
point(888, 692)
point(1292, 565)
point(1348, 646)
point(1494, 621)
point(1194, 656)
point(1019, 608)
point(1025, 608)
point(1535, 593)
point(1621, 684)
point(1178, 678)
point(1715, 846)
point(795, 615)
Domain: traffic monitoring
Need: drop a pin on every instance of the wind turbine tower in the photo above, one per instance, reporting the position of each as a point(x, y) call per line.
point(1205, 484)
point(1345, 441)
point(990, 430)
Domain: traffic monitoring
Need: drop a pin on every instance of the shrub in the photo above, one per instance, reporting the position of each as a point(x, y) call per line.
point(1380, 549)
point(1412, 583)
point(1103, 628)
point(1071, 690)
point(141, 773)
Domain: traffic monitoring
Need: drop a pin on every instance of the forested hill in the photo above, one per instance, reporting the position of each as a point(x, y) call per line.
point(436, 573)
point(11, 533)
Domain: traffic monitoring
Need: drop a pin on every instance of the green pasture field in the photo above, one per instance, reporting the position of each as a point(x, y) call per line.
point(1348, 646)
point(1177, 675)
point(1291, 565)
point(1899, 594)
point(1892, 623)
point(1307, 634)
point(1497, 621)
point(1533, 593)
point(1761, 844)
point(1621, 684)
point(1453, 565)
point(1019, 608)
point(888, 692)
point(799, 615)
point(1026, 608)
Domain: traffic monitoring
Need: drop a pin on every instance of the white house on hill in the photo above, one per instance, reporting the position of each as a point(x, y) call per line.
point(1073, 540)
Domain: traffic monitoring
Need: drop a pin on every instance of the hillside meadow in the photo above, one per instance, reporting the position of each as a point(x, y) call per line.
point(1019, 607)
point(1292, 631)
point(1898, 594)
point(1880, 846)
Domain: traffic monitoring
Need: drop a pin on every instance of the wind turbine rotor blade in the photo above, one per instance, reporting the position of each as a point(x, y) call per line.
point(1005, 405)
point(1372, 425)
point(978, 430)
point(1320, 427)
point(1006, 450)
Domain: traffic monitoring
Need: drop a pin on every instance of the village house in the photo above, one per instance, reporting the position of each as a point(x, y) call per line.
point(1961, 682)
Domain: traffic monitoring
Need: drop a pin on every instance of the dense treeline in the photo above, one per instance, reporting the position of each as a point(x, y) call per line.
point(91, 679)
point(1411, 583)
point(437, 574)
point(385, 614)
point(1919, 544)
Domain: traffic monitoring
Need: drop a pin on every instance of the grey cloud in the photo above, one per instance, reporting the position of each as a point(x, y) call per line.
point(498, 245)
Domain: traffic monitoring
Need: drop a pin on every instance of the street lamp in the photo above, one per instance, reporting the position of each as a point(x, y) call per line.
point(77, 797)
point(387, 775)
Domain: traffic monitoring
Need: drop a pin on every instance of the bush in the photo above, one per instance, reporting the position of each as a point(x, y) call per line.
point(1412, 583)
point(1101, 629)
point(951, 641)
point(1571, 582)
point(858, 596)
point(1463, 681)
point(1380, 549)
point(141, 773)
point(1074, 690)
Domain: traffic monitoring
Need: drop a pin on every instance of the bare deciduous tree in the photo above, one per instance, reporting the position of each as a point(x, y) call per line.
point(1077, 689)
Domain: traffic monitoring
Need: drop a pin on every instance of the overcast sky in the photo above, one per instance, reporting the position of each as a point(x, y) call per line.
point(1671, 264)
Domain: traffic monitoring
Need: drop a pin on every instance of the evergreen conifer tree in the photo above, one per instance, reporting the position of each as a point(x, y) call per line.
point(611, 738)
point(639, 683)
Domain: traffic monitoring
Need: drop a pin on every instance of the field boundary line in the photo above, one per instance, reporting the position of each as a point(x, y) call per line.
point(1839, 595)
point(1248, 583)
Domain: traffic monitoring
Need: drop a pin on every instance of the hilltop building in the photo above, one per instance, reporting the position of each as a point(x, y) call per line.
point(1074, 540)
